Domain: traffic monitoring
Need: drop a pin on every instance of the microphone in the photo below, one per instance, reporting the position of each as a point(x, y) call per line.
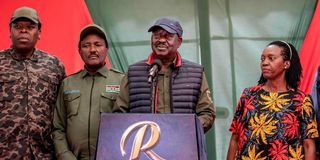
point(155, 67)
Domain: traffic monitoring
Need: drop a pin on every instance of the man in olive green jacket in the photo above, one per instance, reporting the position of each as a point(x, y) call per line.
point(83, 96)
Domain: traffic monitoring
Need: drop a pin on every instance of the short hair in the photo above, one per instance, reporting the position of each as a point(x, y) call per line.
point(294, 72)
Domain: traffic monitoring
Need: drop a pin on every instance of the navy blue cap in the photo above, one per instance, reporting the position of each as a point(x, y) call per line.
point(169, 24)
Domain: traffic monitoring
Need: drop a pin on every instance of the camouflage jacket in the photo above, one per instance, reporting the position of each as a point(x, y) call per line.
point(28, 91)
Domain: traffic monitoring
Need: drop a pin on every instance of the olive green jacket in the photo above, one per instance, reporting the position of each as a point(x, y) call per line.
point(82, 97)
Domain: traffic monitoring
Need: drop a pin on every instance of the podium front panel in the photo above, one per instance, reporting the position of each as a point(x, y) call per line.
point(127, 135)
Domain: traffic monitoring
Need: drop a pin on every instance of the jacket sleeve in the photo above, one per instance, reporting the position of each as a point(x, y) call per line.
point(205, 109)
point(122, 103)
point(59, 129)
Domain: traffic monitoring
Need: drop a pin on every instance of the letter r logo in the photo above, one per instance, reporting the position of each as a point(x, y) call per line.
point(137, 146)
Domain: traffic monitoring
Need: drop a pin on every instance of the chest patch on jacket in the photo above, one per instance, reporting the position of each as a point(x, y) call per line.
point(113, 88)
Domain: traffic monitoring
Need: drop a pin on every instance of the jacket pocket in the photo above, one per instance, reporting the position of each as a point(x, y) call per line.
point(9, 87)
point(72, 102)
point(107, 100)
point(49, 83)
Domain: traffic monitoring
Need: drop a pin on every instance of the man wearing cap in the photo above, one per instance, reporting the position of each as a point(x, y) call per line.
point(181, 86)
point(83, 96)
point(29, 83)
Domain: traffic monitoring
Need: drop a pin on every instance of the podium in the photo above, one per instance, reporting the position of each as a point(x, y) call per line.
point(126, 136)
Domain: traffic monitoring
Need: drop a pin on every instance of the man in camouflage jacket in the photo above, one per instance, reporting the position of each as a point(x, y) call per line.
point(29, 81)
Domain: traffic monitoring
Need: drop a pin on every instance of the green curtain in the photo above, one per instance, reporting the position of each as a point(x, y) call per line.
point(226, 36)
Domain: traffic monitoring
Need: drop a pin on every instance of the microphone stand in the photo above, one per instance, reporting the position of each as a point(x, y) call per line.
point(153, 93)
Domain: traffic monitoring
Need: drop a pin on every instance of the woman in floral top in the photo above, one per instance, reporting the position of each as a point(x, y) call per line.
point(274, 120)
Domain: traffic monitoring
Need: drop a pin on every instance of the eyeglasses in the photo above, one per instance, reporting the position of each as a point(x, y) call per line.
point(28, 27)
